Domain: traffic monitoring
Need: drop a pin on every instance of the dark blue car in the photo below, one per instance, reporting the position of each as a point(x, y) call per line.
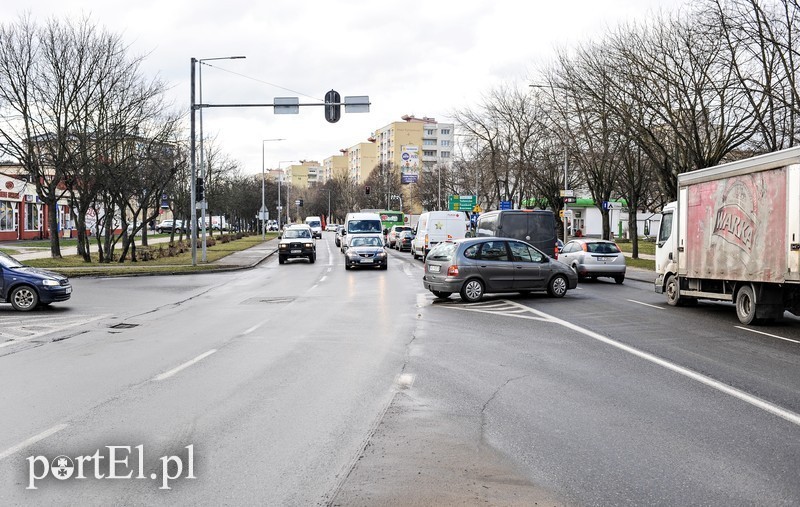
point(26, 287)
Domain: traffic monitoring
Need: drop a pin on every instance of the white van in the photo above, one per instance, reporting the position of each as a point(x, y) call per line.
point(316, 226)
point(436, 226)
point(360, 223)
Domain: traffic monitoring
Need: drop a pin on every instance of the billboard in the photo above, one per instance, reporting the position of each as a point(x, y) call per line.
point(409, 164)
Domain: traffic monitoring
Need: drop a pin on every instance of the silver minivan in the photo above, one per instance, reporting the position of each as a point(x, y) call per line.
point(473, 267)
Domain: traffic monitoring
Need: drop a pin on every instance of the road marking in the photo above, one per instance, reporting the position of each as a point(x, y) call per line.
point(42, 326)
point(330, 257)
point(788, 415)
point(646, 304)
point(185, 365)
point(766, 334)
point(250, 330)
point(405, 380)
point(323, 278)
point(41, 436)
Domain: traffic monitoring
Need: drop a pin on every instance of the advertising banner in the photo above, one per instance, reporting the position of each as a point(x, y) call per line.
point(409, 164)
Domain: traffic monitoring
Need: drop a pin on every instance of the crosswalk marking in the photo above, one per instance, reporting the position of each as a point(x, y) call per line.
point(21, 330)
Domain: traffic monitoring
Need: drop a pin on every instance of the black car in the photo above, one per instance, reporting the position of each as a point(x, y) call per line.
point(297, 241)
point(26, 287)
point(403, 242)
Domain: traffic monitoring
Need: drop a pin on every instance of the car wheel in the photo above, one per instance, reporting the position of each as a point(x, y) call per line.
point(746, 305)
point(472, 291)
point(312, 258)
point(281, 259)
point(619, 279)
point(440, 294)
point(346, 267)
point(24, 298)
point(385, 267)
point(557, 287)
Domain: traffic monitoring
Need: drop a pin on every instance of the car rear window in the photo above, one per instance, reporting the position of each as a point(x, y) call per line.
point(603, 248)
point(442, 252)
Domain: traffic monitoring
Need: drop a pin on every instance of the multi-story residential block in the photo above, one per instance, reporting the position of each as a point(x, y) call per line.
point(361, 160)
point(335, 166)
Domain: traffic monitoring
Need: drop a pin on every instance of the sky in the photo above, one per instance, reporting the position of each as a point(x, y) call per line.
point(422, 58)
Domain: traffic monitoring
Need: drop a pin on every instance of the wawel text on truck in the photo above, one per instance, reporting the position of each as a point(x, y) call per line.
point(734, 235)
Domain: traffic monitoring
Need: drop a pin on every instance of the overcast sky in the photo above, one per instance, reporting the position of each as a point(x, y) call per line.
point(426, 58)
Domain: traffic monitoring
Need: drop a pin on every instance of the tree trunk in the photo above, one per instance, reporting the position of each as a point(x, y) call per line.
point(52, 220)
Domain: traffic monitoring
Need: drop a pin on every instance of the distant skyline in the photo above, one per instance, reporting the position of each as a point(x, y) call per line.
point(411, 58)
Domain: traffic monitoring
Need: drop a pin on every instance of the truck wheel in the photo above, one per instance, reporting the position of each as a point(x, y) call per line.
point(672, 291)
point(746, 305)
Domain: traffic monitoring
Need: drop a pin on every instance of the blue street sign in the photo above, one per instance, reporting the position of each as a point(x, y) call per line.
point(505, 204)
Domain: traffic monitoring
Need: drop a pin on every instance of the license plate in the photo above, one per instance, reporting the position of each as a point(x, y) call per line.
point(433, 269)
point(366, 261)
point(69, 290)
point(295, 251)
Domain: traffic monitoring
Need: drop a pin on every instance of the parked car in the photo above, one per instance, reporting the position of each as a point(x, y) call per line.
point(404, 240)
point(167, 226)
point(297, 241)
point(473, 267)
point(339, 238)
point(592, 258)
point(26, 287)
point(365, 250)
point(394, 233)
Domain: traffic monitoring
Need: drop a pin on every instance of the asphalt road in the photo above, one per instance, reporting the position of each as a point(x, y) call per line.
point(305, 384)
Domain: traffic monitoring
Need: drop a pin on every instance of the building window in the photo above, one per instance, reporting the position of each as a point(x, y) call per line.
point(445, 132)
point(429, 153)
point(429, 142)
point(32, 216)
point(445, 154)
point(445, 142)
point(8, 216)
point(430, 132)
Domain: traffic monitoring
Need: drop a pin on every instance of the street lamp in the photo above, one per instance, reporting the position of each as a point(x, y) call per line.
point(193, 155)
point(566, 181)
point(263, 211)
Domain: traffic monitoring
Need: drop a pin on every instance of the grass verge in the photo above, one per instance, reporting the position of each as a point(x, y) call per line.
point(74, 265)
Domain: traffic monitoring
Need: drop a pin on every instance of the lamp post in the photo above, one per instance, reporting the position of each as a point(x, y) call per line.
point(566, 180)
point(193, 154)
point(263, 211)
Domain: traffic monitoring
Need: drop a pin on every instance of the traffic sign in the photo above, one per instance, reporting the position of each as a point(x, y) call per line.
point(505, 204)
point(567, 193)
point(570, 199)
point(461, 202)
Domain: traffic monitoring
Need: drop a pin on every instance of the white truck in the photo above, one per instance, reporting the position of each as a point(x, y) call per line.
point(734, 235)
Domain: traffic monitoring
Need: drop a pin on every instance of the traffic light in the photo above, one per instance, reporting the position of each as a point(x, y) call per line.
point(200, 190)
point(366, 190)
point(333, 110)
point(300, 202)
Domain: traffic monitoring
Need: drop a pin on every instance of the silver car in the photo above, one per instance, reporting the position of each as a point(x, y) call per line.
point(475, 266)
point(592, 258)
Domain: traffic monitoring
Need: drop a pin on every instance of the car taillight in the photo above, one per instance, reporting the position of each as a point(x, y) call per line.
point(452, 271)
point(426, 240)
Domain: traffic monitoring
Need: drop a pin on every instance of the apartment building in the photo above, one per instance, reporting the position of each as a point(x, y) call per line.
point(335, 166)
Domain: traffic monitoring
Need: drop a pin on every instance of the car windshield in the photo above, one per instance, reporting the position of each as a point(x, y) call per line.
point(442, 252)
point(314, 224)
point(364, 226)
point(366, 241)
point(603, 248)
point(297, 233)
point(9, 262)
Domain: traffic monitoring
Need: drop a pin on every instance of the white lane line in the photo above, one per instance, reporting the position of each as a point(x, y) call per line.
point(41, 436)
point(646, 304)
point(766, 334)
point(250, 330)
point(330, 257)
point(185, 365)
point(323, 278)
point(788, 415)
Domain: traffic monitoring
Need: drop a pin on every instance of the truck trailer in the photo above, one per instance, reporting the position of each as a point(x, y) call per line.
point(734, 235)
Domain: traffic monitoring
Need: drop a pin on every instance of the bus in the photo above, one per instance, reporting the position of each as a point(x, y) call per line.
point(388, 217)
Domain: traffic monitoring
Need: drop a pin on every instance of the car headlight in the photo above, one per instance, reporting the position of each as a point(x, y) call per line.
point(50, 283)
point(309, 245)
point(380, 254)
point(283, 245)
